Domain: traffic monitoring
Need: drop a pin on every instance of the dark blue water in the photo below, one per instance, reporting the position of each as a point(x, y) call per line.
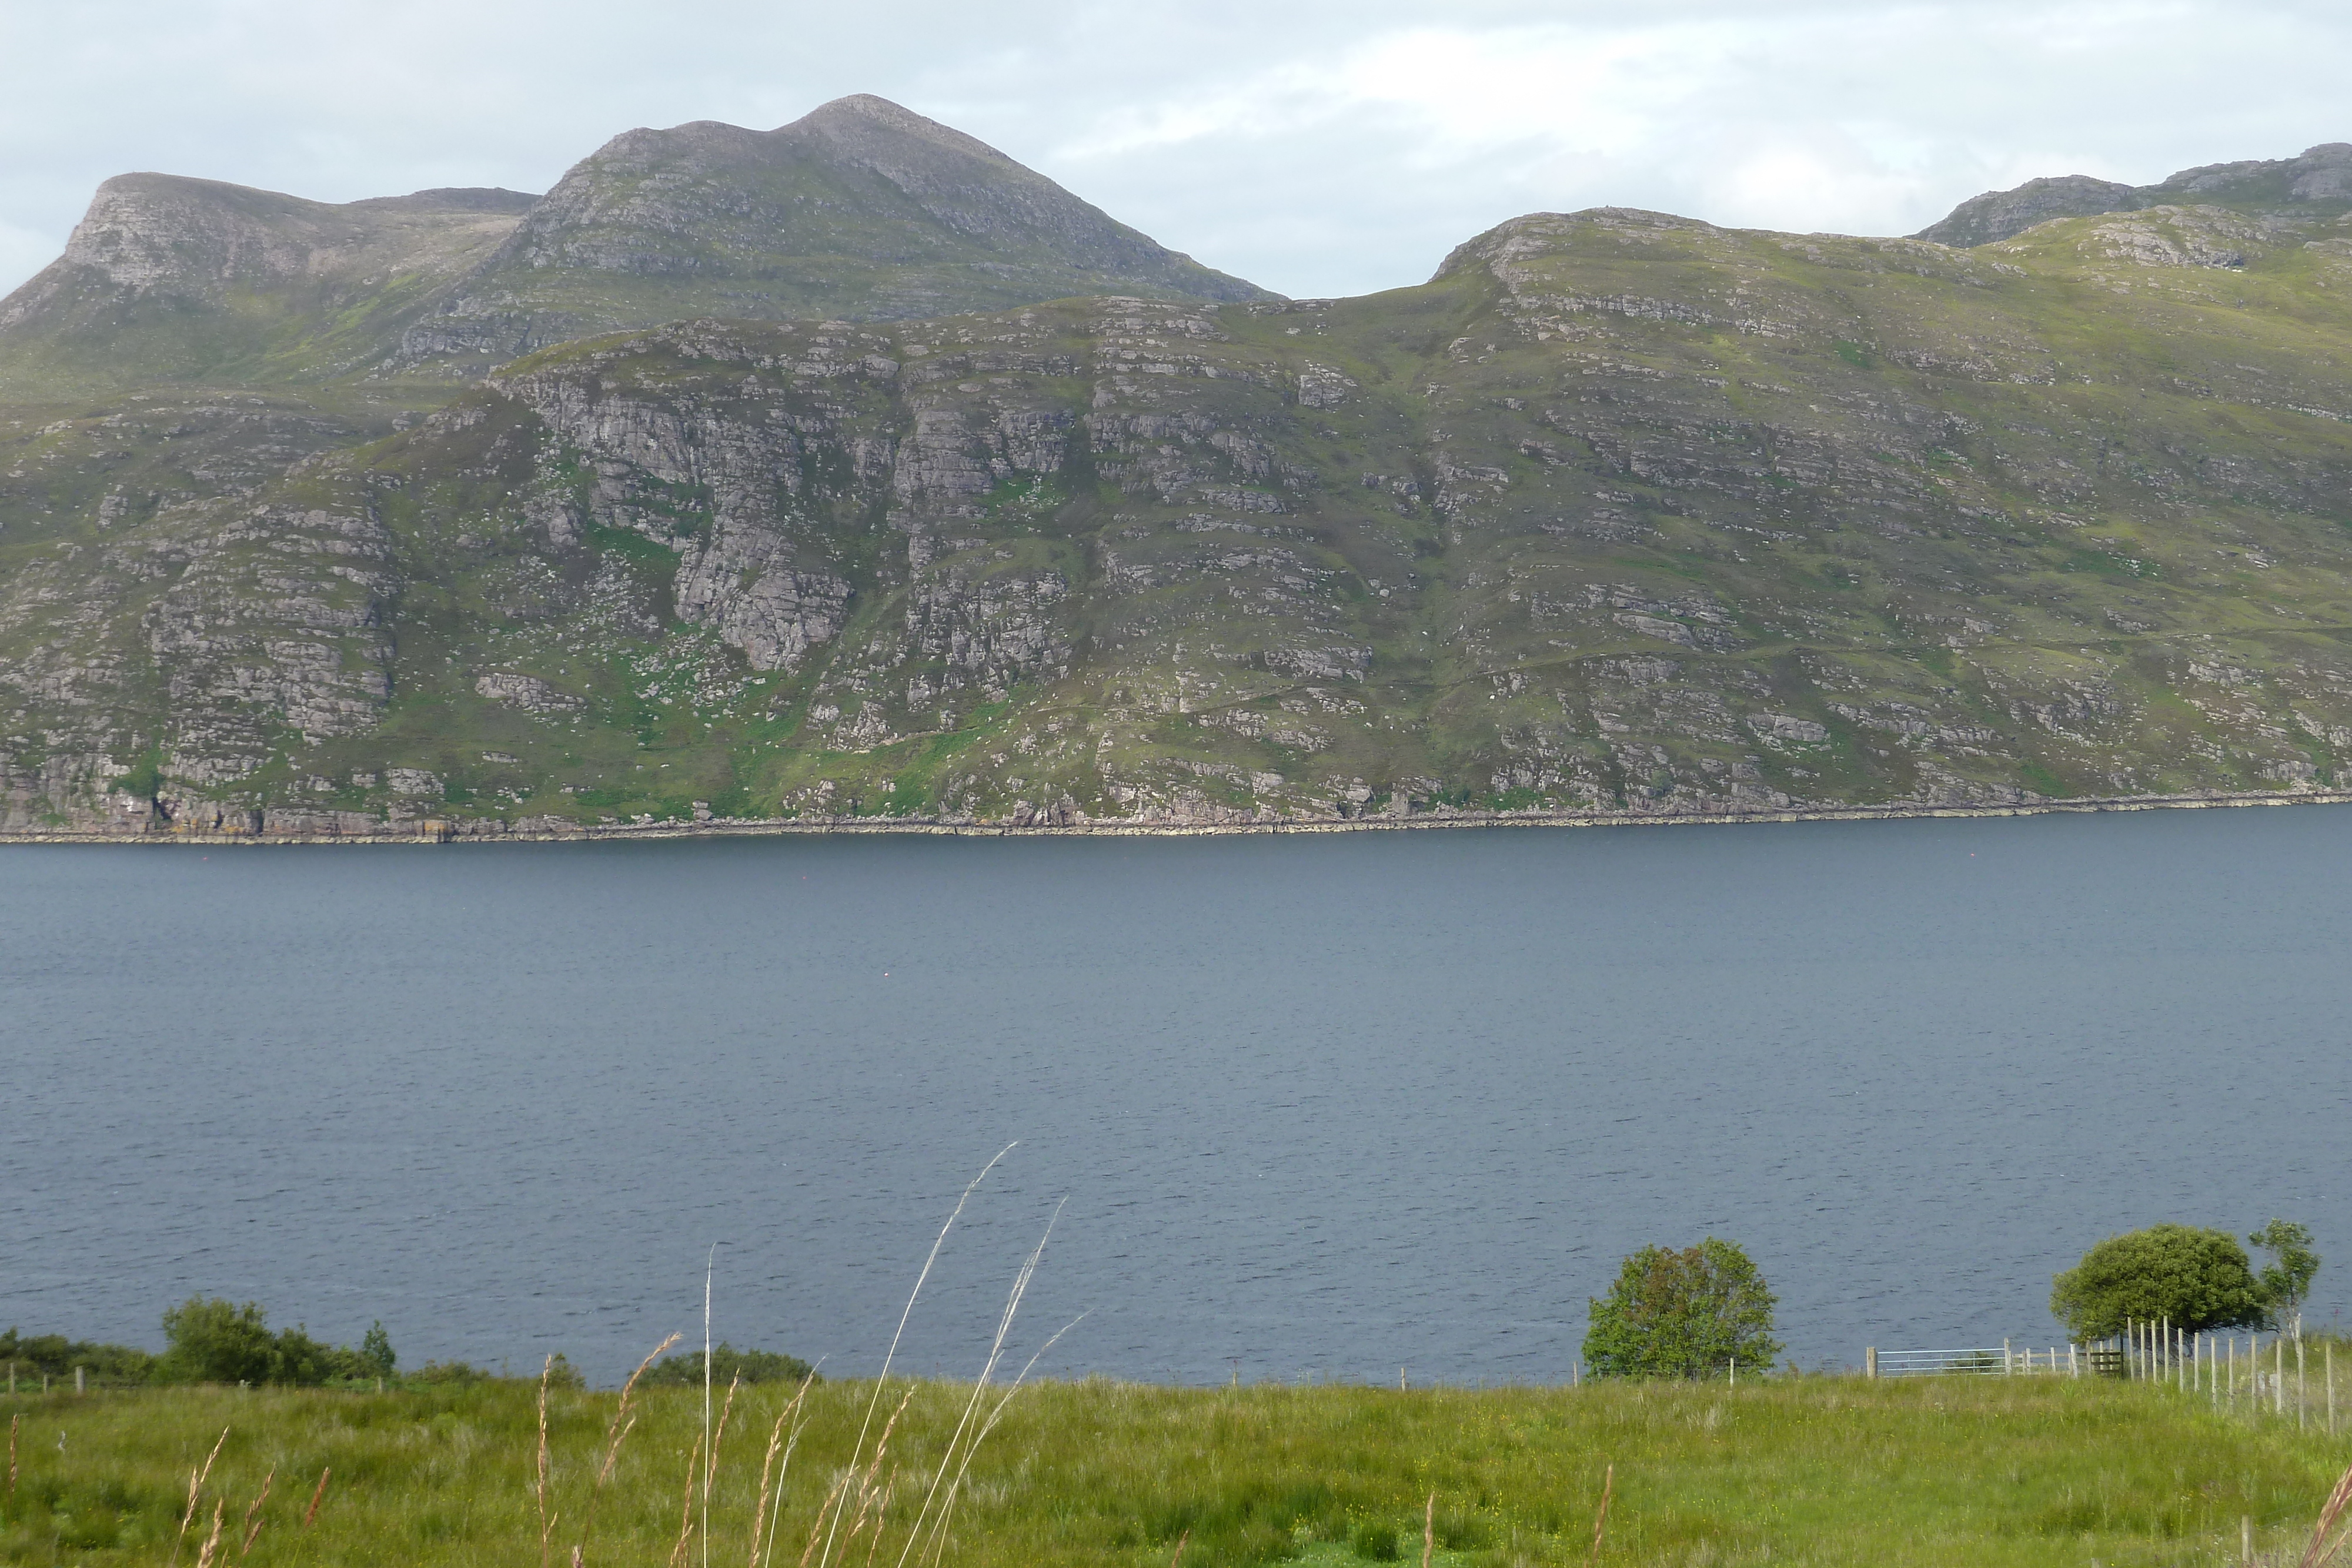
point(1320, 1106)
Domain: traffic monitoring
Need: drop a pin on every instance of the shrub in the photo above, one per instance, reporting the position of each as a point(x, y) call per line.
point(728, 1364)
point(55, 1355)
point(1683, 1315)
point(213, 1342)
point(1376, 1542)
point(2287, 1280)
point(2195, 1279)
point(376, 1353)
point(210, 1341)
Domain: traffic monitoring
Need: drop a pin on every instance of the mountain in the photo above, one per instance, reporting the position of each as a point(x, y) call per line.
point(2320, 179)
point(174, 279)
point(1619, 514)
point(860, 211)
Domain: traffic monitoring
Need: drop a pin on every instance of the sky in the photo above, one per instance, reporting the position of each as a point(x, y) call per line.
point(1316, 147)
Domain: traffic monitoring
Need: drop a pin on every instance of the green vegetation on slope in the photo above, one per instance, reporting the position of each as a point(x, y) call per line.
point(1994, 1471)
point(1621, 514)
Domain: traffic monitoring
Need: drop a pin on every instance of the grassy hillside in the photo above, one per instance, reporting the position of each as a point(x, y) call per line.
point(1621, 514)
point(1808, 1470)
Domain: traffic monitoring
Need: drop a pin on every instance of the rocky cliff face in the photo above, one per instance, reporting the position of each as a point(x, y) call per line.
point(1620, 513)
point(2323, 174)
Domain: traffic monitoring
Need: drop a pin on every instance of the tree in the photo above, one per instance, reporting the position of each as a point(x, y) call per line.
point(2286, 1282)
point(375, 1351)
point(1683, 1315)
point(213, 1342)
point(2192, 1278)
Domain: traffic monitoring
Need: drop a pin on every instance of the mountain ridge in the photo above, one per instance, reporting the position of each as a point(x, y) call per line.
point(2320, 174)
point(1620, 517)
point(859, 209)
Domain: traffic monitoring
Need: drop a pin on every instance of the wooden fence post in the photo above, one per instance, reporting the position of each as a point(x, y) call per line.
point(1870, 1361)
point(2301, 1386)
point(79, 1385)
point(2278, 1376)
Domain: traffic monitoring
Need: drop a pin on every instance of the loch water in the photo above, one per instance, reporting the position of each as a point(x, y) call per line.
point(1320, 1107)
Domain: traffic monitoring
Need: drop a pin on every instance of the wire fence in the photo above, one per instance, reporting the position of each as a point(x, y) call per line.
point(2003, 1360)
point(2280, 1376)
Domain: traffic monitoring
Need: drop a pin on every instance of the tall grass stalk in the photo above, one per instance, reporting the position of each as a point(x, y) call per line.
point(883, 1377)
point(686, 1509)
point(772, 1475)
point(709, 1445)
point(2321, 1548)
point(253, 1514)
point(964, 1421)
point(197, 1476)
point(766, 1550)
point(711, 1458)
point(624, 1420)
point(211, 1541)
point(318, 1497)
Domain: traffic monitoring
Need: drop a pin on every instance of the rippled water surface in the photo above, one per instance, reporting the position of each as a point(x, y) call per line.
point(1320, 1106)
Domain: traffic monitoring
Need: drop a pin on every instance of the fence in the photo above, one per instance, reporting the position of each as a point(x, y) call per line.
point(2243, 1376)
point(1980, 1361)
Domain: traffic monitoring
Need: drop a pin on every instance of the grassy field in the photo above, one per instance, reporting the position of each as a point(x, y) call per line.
point(1810, 1471)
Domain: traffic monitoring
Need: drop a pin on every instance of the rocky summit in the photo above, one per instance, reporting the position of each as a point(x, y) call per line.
point(852, 474)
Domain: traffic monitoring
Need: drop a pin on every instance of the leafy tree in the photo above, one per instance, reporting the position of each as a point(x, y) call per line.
point(2286, 1282)
point(727, 1363)
point(2195, 1279)
point(376, 1353)
point(209, 1341)
point(1683, 1315)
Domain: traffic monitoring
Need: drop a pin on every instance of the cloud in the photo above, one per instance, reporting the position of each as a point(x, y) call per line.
point(1316, 147)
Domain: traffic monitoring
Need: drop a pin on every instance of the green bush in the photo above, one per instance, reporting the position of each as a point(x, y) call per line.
point(210, 1341)
point(2287, 1280)
point(2195, 1278)
point(1375, 1542)
point(727, 1364)
point(1690, 1313)
point(54, 1355)
point(376, 1351)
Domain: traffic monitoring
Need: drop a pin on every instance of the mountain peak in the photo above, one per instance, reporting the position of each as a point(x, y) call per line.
point(2319, 174)
point(861, 209)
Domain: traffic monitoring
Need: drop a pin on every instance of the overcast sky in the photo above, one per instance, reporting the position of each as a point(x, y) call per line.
point(1317, 147)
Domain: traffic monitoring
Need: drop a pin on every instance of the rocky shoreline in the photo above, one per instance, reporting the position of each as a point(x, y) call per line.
point(436, 831)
